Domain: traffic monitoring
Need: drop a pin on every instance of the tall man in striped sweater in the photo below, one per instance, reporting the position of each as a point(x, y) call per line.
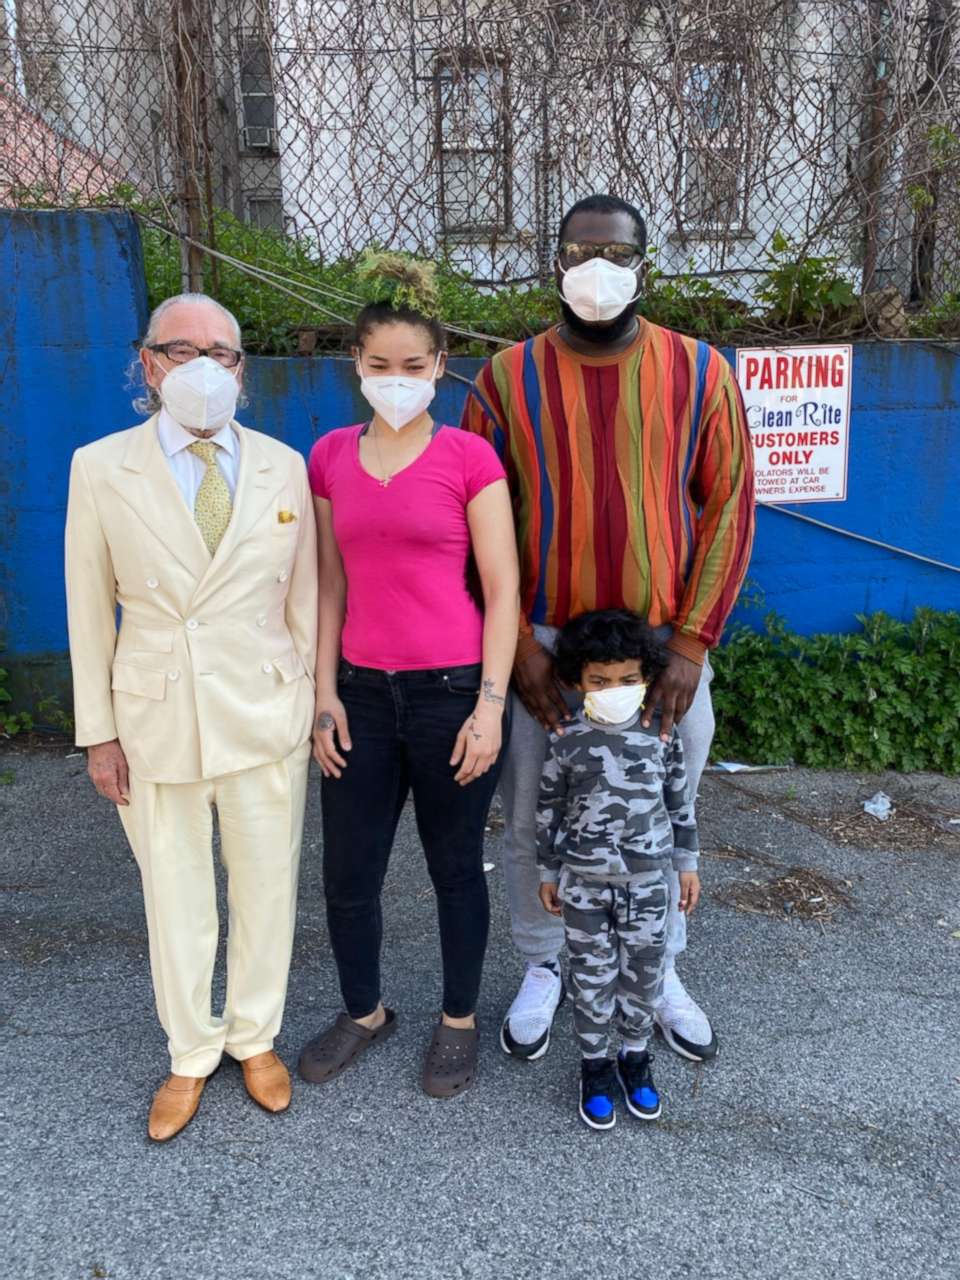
point(630, 468)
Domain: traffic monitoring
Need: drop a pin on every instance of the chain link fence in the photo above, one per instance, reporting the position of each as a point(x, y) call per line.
point(749, 132)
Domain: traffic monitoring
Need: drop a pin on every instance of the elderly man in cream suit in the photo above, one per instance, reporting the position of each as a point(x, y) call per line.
point(201, 531)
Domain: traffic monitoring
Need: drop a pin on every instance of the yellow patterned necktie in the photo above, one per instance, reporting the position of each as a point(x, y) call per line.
point(213, 505)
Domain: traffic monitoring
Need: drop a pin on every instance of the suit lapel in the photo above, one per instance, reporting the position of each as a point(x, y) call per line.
point(145, 482)
point(257, 482)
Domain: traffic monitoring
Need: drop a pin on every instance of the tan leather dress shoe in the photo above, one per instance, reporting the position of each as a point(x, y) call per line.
point(267, 1081)
point(174, 1106)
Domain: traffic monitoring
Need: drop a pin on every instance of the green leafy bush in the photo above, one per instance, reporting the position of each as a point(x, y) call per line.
point(269, 318)
point(11, 722)
point(692, 304)
point(51, 715)
point(940, 319)
point(802, 291)
point(885, 697)
point(800, 296)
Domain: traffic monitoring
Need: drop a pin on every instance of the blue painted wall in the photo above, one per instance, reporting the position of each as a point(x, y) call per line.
point(903, 477)
point(74, 301)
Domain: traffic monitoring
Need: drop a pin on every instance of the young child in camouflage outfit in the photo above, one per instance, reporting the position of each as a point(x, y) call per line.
point(614, 810)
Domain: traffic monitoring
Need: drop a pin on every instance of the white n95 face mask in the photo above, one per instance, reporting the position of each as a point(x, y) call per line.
point(398, 400)
point(201, 395)
point(599, 290)
point(614, 706)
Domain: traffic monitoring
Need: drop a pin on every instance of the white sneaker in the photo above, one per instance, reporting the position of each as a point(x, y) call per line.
point(526, 1028)
point(682, 1023)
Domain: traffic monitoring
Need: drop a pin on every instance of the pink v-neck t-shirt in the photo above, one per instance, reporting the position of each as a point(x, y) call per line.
point(405, 548)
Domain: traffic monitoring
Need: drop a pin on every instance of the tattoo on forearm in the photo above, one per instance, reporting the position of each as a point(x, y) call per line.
point(326, 721)
point(490, 694)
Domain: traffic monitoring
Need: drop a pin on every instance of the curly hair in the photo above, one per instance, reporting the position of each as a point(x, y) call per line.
point(608, 635)
point(399, 290)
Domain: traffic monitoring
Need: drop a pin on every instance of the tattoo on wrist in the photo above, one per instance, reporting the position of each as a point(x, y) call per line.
point(326, 721)
point(490, 694)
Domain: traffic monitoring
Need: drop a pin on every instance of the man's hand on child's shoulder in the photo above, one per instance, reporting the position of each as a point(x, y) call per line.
point(550, 897)
point(689, 891)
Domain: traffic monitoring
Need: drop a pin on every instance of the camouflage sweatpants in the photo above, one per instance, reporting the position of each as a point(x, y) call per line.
point(616, 935)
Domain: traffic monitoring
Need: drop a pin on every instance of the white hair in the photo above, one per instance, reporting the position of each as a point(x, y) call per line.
point(148, 401)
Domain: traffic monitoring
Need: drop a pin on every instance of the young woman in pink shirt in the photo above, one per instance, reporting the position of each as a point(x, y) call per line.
point(412, 673)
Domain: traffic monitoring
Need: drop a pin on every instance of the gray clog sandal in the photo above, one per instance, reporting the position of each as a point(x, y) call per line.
point(337, 1048)
point(451, 1064)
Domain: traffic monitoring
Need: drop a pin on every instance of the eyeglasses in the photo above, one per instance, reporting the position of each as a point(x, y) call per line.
point(574, 253)
point(183, 352)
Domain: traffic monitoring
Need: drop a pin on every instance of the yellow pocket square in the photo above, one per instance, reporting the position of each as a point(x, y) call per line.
point(286, 517)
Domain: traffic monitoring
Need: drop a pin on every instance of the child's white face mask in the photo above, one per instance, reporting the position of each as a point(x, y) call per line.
point(614, 706)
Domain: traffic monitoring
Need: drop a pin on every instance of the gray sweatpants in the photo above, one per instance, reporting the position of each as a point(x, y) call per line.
point(616, 934)
point(537, 935)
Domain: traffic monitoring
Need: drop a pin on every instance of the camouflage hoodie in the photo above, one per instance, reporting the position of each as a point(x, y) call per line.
point(614, 802)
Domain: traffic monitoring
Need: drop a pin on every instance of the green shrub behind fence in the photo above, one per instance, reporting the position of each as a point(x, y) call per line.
point(886, 697)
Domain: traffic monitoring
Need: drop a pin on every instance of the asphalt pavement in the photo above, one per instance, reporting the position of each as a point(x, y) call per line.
point(823, 1142)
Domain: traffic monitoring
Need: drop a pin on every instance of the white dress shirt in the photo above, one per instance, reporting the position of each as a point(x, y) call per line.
point(188, 470)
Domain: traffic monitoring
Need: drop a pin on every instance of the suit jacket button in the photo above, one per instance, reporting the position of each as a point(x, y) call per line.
point(173, 675)
point(282, 575)
point(153, 583)
point(192, 624)
point(261, 620)
point(267, 668)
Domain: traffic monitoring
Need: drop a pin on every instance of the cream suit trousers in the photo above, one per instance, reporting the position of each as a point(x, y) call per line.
point(170, 829)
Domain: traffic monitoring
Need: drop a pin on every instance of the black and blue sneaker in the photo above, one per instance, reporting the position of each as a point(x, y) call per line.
point(598, 1086)
point(636, 1080)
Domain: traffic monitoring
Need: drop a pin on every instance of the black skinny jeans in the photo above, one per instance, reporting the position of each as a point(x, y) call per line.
point(403, 726)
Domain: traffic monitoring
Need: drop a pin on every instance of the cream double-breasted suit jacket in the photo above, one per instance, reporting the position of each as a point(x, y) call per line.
point(212, 669)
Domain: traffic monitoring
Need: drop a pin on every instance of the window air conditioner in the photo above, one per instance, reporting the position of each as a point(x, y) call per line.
point(258, 138)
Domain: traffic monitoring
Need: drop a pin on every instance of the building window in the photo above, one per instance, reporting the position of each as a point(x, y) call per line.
point(265, 210)
point(714, 190)
point(474, 145)
point(256, 90)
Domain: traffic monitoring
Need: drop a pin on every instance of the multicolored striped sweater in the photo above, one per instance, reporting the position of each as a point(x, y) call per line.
point(631, 476)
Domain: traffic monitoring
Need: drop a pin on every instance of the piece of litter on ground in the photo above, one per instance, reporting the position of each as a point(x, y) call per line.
point(809, 1191)
point(734, 766)
point(73, 755)
point(956, 934)
point(953, 822)
point(488, 866)
point(879, 806)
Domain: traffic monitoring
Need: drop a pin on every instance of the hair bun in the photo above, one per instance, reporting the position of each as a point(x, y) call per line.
point(400, 280)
